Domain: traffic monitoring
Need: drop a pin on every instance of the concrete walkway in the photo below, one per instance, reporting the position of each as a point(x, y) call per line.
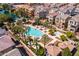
point(58, 28)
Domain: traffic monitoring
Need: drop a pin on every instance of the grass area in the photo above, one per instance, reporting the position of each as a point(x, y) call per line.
point(46, 41)
point(77, 53)
point(66, 52)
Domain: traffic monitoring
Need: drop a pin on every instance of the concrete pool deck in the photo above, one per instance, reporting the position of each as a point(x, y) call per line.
point(53, 37)
point(50, 36)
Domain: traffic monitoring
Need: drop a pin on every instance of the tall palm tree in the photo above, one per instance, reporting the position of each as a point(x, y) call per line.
point(30, 40)
point(36, 43)
point(44, 38)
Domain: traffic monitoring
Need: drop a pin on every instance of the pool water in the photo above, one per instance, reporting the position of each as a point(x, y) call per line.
point(34, 32)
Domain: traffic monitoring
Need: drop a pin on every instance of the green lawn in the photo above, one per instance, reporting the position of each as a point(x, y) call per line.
point(46, 41)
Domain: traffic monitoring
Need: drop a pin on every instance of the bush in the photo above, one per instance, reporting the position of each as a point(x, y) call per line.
point(69, 34)
point(37, 22)
point(74, 38)
point(66, 52)
point(40, 51)
point(51, 31)
point(18, 29)
point(63, 38)
point(26, 42)
point(17, 37)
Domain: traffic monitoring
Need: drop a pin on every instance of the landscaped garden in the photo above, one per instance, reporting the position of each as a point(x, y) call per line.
point(66, 52)
point(39, 52)
point(8, 17)
point(45, 39)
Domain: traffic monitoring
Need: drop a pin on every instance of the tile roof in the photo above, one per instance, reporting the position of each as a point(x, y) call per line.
point(5, 42)
point(76, 18)
point(66, 44)
point(53, 50)
point(14, 52)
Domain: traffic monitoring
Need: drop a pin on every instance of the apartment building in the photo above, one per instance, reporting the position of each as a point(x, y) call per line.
point(61, 20)
point(73, 24)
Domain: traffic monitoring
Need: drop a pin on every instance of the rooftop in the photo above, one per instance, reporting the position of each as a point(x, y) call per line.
point(14, 52)
point(5, 42)
point(76, 18)
point(53, 50)
point(66, 44)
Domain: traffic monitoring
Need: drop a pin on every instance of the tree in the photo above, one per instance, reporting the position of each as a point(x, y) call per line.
point(31, 13)
point(66, 52)
point(3, 17)
point(24, 20)
point(75, 39)
point(36, 43)
point(41, 51)
point(6, 6)
point(45, 39)
point(37, 22)
point(46, 23)
point(30, 40)
point(19, 22)
point(51, 31)
point(21, 12)
point(63, 38)
point(18, 30)
point(69, 34)
point(0, 6)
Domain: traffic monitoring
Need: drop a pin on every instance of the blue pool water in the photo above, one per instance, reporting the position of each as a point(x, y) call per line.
point(33, 32)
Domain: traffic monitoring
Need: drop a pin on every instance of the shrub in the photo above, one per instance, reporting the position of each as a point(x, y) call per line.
point(63, 38)
point(51, 31)
point(66, 52)
point(40, 51)
point(69, 34)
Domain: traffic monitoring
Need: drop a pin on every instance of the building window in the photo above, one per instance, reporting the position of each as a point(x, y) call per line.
point(71, 29)
point(71, 22)
point(75, 23)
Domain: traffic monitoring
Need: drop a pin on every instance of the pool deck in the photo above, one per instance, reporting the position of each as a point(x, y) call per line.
point(52, 37)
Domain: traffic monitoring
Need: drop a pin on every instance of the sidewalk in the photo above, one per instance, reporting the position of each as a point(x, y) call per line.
point(58, 28)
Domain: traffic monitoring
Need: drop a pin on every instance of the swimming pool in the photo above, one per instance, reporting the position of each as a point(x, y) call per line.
point(34, 32)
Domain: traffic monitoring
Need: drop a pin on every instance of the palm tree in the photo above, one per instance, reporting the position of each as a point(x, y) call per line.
point(45, 39)
point(21, 12)
point(36, 43)
point(6, 6)
point(30, 40)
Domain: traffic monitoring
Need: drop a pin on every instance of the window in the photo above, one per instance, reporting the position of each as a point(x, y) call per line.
point(71, 22)
point(71, 29)
point(75, 23)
